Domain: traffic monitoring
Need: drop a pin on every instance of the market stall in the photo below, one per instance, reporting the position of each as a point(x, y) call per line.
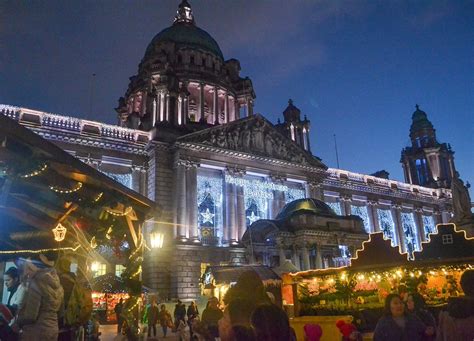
point(379, 269)
point(50, 202)
point(218, 279)
point(107, 290)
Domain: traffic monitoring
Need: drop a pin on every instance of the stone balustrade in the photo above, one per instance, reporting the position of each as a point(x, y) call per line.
point(72, 124)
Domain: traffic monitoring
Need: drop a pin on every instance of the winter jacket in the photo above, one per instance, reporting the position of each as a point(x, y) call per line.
point(428, 320)
point(38, 315)
point(388, 330)
point(210, 316)
point(458, 322)
point(152, 314)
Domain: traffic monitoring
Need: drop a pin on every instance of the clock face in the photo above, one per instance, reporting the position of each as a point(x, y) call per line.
point(206, 232)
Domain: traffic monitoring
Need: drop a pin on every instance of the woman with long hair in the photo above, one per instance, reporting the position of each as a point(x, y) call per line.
point(416, 305)
point(396, 324)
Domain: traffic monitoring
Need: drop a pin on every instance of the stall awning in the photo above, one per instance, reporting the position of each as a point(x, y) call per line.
point(227, 274)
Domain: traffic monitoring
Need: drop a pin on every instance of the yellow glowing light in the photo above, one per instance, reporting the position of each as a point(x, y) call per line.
point(14, 252)
point(360, 277)
point(36, 172)
point(65, 190)
point(119, 214)
point(412, 274)
point(156, 240)
point(330, 280)
point(98, 197)
point(95, 266)
point(59, 233)
point(109, 231)
point(343, 276)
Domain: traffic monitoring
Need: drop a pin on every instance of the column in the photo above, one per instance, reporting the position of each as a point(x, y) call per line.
point(180, 110)
point(281, 253)
point(191, 207)
point(231, 109)
point(420, 230)
point(186, 109)
point(241, 218)
point(314, 190)
point(437, 217)
point(249, 104)
point(373, 218)
point(215, 105)
point(226, 108)
point(236, 109)
point(398, 233)
point(319, 258)
point(162, 106)
point(201, 102)
point(180, 201)
point(153, 112)
point(296, 258)
point(305, 254)
point(445, 216)
point(167, 106)
point(230, 203)
point(346, 204)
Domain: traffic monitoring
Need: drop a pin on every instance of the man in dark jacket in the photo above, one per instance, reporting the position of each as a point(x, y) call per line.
point(211, 315)
point(179, 313)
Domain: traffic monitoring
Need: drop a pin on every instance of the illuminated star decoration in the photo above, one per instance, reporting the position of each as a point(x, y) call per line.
point(207, 217)
point(252, 217)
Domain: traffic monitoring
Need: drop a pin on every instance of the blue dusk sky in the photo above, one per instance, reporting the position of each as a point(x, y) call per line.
point(355, 68)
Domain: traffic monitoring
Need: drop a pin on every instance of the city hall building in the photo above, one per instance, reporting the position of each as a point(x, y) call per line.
point(233, 187)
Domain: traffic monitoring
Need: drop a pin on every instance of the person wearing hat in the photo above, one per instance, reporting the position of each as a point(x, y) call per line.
point(211, 315)
point(38, 315)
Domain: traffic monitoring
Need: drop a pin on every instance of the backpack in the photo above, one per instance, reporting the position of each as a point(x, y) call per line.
point(79, 307)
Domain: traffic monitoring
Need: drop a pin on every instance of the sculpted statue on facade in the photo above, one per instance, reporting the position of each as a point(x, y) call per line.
point(461, 200)
point(245, 139)
point(221, 140)
point(269, 145)
point(257, 134)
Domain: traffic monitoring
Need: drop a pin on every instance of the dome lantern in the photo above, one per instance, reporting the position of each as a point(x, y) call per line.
point(184, 14)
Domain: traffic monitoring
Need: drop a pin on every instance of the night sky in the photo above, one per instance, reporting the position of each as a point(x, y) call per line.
point(355, 68)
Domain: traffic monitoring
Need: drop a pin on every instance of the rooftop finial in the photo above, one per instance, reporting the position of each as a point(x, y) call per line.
point(290, 101)
point(184, 14)
point(417, 107)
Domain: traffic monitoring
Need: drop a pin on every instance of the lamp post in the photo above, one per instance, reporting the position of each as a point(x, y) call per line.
point(156, 239)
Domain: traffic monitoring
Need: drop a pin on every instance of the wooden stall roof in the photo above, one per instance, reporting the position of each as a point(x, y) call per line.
point(30, 168)
point(226, 274)
point(449, 245)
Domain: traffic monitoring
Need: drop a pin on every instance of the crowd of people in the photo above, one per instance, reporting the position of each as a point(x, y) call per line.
point(406, 317)
point(46, 301)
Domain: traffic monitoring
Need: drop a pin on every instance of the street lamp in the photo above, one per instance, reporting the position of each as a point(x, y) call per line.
point(156, 239)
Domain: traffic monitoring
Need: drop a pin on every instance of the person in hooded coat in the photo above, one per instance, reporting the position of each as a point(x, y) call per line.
point(38, 315)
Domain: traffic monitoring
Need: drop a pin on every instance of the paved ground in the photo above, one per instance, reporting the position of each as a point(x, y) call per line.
point(109, 333)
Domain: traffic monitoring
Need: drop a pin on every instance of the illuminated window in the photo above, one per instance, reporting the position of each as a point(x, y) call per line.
point(119, 269)
point(410, 233)
point(294, 192)
point(428, 226)
point(447, 239)
point(124, 179)
point(257, 194)
point(361, 211)
point(335, 206)
point(387, 226)
point(98, 269)
point(210, 203)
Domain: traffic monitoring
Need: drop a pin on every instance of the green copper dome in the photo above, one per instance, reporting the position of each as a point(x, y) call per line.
point(313, 205)
point(420, 121)
point(186, 35)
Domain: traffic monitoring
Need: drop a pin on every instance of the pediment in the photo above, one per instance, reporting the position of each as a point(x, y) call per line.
point(254, 135)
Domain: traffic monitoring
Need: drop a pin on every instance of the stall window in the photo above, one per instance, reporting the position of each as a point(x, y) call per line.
point(119, 269)
point(99, 269)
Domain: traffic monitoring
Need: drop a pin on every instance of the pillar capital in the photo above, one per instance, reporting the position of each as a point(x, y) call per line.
point(277, 177)
point(372, 203)
point(235, 171)
point(186, 163)
point(397, 207)
point(345, 197)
